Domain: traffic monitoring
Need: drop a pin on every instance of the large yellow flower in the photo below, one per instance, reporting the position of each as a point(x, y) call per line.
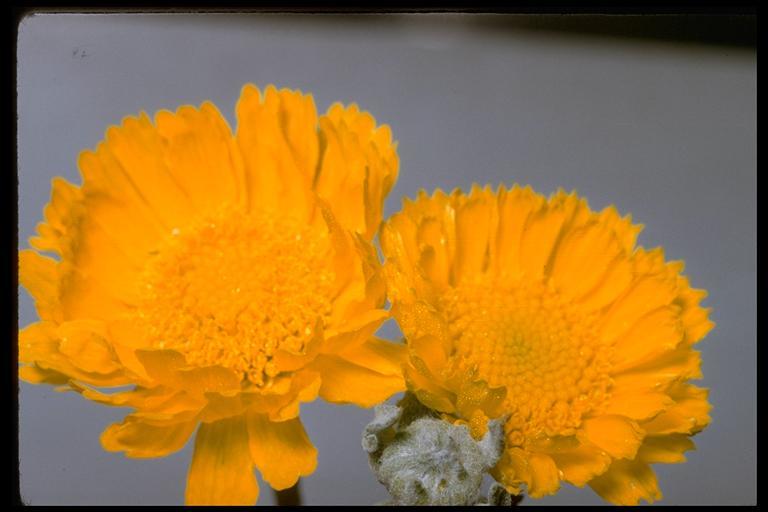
point(545, 311)
point(226, 277)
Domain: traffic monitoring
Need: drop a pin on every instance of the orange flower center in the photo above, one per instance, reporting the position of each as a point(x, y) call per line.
point(538, 345)
point(232, 289)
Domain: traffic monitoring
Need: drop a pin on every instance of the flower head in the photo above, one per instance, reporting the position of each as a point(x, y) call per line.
point(546, 313)
point(225, 277)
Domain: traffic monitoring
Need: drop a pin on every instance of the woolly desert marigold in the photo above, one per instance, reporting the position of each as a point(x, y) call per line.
point(546, 312)
point(226, 277)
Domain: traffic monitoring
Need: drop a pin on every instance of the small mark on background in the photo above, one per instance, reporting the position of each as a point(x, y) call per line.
point(81, 52)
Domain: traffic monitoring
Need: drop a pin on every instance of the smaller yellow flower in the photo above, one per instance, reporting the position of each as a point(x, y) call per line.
point(546, 313)
point(226, 278)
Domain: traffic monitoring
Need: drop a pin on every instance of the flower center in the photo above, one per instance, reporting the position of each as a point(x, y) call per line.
point(232, 289)
point(535, 343)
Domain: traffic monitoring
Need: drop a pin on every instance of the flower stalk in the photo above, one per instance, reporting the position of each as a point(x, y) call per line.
point(290, 497)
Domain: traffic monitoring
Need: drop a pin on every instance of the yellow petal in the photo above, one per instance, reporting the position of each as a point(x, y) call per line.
point(126, 337)
point(507, 470)
point(208, 379)
point(200, 154)
point(581, 464)
point(359, 167)
point(435, 257)
point(695, 318)
point(544, 230)
point(220, 406)
point(583, 256)
point(627, 482)
point(540, 234)
point(282, 451)
point(358, 328)
point(180, 408)
point(84, 344)
point(430, 349)
point(646, 294)
point(688, 415)
point(576, 210)
point(282, 400)
point(620, 437)
point(622, 227)
point(421, 319)
point(108, 218)
point(108, 214)
point(40, 343)
point(537, 470)
point(169, 368)
point(668, 449)
point(347, 383)
point(277, 136)
point(286, 360)
point(138, 397)
point(544, 478)
point(398, 240)
point(618, 277)
point(305, 387)
point(476, 394)
point(96, 275)
point(162, 365)
point(62, 217)
point(36, 375)
point(406, 251)
point(40, 276)
point(382, 356)
point(90, 296)
point(115, 215)
point(655, 333)
point(515, 207)
point(133, 156)
point(680, 364)
point(140, 439)
point(221, 472)
point(358, 286)
point(473, 226)
point(427, 389)
point(637, 405)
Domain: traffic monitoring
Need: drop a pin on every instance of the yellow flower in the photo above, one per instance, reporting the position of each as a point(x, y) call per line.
point(545, 312)
point(225, 278)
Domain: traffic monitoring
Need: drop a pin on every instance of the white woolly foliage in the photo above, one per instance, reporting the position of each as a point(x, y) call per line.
point(424, 460)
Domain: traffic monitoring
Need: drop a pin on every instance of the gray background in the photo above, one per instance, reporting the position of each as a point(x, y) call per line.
point(664, 131)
